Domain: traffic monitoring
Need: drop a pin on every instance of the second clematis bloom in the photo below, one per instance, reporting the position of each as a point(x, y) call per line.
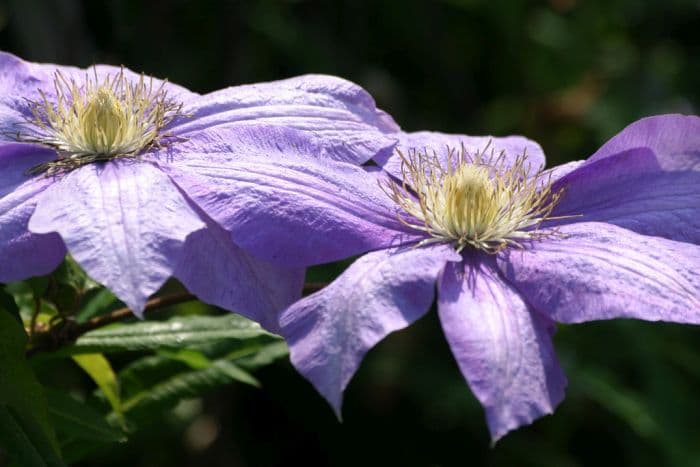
point(102, 162)
point(512, 251)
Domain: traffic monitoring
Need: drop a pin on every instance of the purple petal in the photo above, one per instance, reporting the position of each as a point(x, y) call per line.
point(330, 331)
point(16, 159)
point(221, 144)
point(19, 81)
point(23, 254)
point(673, 138)
point(220, 273)
point(441, 144)
point(338, 115)
point(294, 211)
point(559, 171)
point(600, 271)
point(124, 222)
point(631, 190)
point(503, 348)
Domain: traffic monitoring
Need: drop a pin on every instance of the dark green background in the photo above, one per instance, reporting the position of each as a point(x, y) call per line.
point(566, 73)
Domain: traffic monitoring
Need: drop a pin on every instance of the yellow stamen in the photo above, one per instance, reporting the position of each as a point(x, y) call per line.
point(476, 201)
point(99, 121)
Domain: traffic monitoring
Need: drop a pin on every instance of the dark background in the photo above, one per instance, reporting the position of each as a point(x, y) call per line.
point(566, 73)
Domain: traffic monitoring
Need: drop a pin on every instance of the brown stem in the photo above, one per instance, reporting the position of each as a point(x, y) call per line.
point(68, 331)
point(123, 313)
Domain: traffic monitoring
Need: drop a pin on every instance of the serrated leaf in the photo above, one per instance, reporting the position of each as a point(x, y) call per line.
point(265, 356)
point(190, 357)
point(23, 401)
point(146, 372)
point(236, 373)
point(187, 384)
point(177, 332)
point(234, 348)
point(101, 372)
point(149, 371)
point(156, 383)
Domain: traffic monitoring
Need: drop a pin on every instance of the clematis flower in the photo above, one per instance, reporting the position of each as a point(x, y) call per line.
point(87, 159)
point(512, 249)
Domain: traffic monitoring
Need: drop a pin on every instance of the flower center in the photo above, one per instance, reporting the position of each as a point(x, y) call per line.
point(473, 201)
point(99, 120)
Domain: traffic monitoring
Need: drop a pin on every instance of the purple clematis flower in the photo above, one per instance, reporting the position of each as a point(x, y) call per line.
point(101, 162)
point(513, 250)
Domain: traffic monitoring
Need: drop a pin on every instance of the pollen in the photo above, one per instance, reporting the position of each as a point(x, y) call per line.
point(98, 120)
point(474, 201)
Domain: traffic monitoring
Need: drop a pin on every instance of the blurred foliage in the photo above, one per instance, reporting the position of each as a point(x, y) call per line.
point(179, 354)
point(567, 73)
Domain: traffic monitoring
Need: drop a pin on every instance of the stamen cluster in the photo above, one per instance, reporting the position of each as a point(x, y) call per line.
point(479, 201)
point(99, 121)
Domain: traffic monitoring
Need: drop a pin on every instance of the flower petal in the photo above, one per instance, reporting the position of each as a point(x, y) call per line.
point(16, 159)
point(503, 348)
point(20, 82)
point(23, 254)
point(330, 331)
point(222, 274)
point(337, 114)
point(221, 144)
point(631, 189)
point(125, 223)
point(559, 171)
point(294, 211)
point(442, 143)
point(673, 138)
point(600, 271)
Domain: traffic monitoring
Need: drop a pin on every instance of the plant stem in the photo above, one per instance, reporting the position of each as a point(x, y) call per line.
point(68, 331)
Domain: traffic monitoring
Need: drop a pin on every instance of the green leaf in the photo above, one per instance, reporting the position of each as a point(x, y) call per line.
point(38, 285)
point(156, 383)
point(7, 303)
point(101, 372)
point(264, 356)
point(25, 430)
point(187, 384)
point(190, 357)
point(236, 373)
point(68, 286)
point(17, 442)
point(177, 332)
point(29, 303)
point(147, 372)
point(76, 420)
point(249, 354)
point(95, 303)
point(72, 275)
